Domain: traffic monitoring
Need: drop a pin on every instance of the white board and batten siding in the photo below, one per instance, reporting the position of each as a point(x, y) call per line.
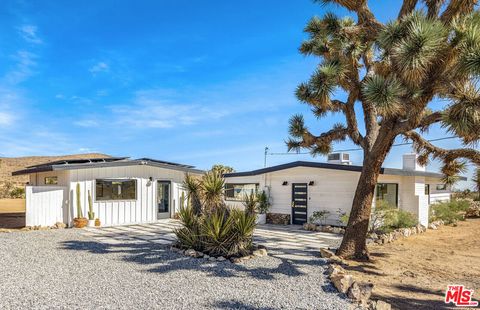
point(142, 209)
point(333, 190)
point(45, 205)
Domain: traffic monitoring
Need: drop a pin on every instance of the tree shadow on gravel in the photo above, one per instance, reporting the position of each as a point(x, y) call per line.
point(233, 304)
point(162, 259)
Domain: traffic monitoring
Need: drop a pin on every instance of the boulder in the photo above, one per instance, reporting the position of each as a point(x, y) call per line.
point(221, 259)
point(212, 259)
point(373, 236)
point(360, 292)
point(432, 226)
point(337, 230)
point(236, 260)
point(334, 269)
point(205, 256)
point(327, 229)
point(326, 253)
point(60, 225)
point(342, 282)
point(260, 252)
point(4, 230)
point(381, 305)
point(191, 252)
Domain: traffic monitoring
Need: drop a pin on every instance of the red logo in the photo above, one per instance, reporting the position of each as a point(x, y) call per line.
point(460, 296)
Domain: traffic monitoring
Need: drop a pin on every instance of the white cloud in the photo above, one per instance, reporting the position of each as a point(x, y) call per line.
point(161, 108)
point(29, 34)
point(99, 67)
point(6, 119)
point(25, 63)
point(86, 123)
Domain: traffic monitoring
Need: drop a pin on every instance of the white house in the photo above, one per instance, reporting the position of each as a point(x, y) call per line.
point(300, 188)
point(123, 191)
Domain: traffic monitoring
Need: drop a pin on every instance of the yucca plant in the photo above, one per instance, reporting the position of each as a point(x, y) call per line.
point(384, 76)
point(218, 231)
point(189, 234)
point(250, 203)
point(212, 190)
point(245, 224)
point(192, 185)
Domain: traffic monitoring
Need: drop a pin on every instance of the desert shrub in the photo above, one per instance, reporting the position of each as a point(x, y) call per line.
point(343, 217)
point(319, 217)
point(17, 192)
point(221, 232)
point(449, 212)
point(386, 218)
point(263, 203)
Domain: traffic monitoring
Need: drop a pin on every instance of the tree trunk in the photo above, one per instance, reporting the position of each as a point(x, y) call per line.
point(354, 240)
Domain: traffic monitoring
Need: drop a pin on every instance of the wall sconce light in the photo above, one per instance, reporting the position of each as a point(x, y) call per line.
point(285, 183)
point(311, 183)
point(150, 179)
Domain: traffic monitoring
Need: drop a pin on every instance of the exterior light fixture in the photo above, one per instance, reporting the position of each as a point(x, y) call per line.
point(311, 183)
point(285, 183)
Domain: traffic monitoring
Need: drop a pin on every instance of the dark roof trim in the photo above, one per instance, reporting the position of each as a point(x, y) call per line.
point(387, 171)
point(121, 162)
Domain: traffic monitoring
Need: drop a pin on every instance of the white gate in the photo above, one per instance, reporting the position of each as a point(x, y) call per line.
point(45, 205)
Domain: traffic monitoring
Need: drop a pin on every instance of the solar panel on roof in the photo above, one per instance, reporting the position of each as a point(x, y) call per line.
point(165, 162)
point(79, 161)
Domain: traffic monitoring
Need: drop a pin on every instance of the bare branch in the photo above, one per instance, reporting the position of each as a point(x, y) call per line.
point(407, 7)
point(434, 7)
point(456, 8)
point(446, 155)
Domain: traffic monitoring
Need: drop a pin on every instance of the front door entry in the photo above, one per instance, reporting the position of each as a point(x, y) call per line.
point(163, 199)
point(299, 203)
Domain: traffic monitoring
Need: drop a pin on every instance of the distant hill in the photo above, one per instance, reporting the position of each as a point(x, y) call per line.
point(10, 164)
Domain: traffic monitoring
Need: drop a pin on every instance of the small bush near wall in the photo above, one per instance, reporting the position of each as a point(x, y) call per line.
point(386, 218)
point(449, 212)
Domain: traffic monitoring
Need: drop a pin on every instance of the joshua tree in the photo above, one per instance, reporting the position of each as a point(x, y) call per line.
point(222, 169)
point(396, 73)
point(476, 181)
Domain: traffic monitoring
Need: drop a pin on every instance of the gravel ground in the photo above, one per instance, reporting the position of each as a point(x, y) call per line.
point(65, 269)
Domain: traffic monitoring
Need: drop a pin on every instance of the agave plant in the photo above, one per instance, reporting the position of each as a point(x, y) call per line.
point(189, 234)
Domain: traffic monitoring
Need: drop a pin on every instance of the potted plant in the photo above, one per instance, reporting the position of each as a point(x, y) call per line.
point(79, 221)
point(263, 206)
point(97, 222)
point(91, 214)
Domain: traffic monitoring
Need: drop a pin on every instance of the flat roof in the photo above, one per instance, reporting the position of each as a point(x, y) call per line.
point(310, 164)
point(72, 164)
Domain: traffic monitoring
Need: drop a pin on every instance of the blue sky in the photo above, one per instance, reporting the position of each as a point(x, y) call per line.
point(198, 82)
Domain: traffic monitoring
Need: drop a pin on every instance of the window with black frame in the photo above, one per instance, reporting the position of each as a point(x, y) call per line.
point(115, 189)
point(388, 192)
point(237, 192)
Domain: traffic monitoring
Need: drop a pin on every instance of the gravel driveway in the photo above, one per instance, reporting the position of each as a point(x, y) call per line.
point(68, 269)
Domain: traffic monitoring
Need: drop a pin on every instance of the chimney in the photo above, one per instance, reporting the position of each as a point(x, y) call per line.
point(339, 159)
point(410, 162)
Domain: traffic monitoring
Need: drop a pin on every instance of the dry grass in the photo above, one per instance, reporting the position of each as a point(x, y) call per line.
point(413, 273)
point(12, 205)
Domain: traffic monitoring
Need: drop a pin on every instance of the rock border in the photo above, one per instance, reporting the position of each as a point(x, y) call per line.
point(380, 239)
point(257, 251)
point(324, 228)
point(58, 225)
point(357, 292)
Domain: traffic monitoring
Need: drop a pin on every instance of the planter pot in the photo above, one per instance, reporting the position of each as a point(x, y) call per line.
point(97, 223)
point(80, 222)
point(261, 218)
point(91, 223)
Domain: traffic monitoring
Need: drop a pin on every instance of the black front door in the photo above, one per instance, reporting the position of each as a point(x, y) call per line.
point(299, 203)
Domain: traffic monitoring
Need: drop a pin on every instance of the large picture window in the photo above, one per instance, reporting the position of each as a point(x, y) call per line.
point(51, 180)
point(239, 191)
point(388, 192)
point(116, 190)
